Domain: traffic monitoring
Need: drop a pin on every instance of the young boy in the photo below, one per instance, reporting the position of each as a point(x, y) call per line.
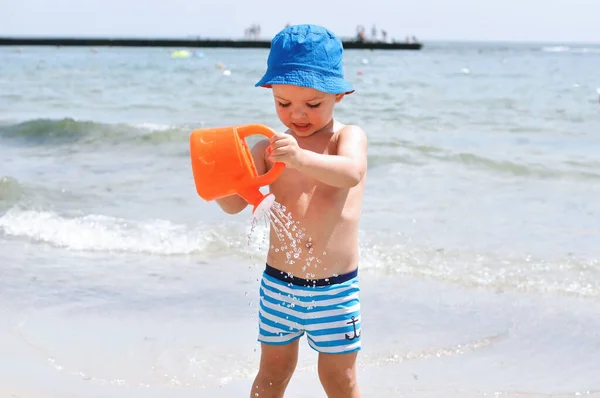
point(322, 187)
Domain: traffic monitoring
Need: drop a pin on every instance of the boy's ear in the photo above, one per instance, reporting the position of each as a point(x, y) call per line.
point(338, 97)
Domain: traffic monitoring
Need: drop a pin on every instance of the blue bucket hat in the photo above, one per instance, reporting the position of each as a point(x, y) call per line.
point(306, 56)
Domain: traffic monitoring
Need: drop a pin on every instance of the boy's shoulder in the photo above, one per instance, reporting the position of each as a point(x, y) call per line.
point(340, 127)
point(350, 131)
point(353, 128)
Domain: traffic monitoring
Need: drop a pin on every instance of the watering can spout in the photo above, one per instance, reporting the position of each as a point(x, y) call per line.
point(253, 196)
point(261, 204)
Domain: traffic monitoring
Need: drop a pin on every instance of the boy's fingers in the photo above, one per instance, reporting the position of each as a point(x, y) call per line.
point(277, 137)
point(280, 151)
point(277, 145)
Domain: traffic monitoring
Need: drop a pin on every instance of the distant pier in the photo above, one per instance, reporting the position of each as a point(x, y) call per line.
point(188, 43)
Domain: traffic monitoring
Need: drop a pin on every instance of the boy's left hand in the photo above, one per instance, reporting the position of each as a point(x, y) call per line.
point(284, 148)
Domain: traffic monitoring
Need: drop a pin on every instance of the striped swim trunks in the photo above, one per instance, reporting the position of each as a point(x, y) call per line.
point(328, 310)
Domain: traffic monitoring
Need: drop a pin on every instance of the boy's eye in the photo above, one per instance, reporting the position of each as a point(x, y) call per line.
point(281, 104)
point(314, 105)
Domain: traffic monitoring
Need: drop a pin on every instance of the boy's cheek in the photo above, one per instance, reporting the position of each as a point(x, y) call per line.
point(284, 119)
point(279, 113)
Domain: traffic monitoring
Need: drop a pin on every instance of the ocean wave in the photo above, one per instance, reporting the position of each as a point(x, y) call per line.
point(568, 49)
point(406, 152)
point(101, 233)
point(569, 276)
point(49, 132)
point(517, 169)
point(10, 191)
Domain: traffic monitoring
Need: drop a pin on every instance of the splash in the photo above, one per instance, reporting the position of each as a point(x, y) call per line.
point(291, 237)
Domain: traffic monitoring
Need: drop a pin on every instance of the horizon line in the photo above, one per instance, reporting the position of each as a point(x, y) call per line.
point(189, 37)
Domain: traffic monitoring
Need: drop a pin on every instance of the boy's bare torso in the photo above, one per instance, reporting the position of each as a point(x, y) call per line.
point(327, 216)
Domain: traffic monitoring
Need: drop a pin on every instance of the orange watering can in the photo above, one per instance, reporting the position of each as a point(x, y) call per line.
point(222, 165)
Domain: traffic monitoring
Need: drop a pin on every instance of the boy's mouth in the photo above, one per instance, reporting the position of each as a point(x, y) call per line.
point(301, 127)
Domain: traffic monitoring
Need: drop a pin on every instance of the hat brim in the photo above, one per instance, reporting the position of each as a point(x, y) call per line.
point(310, 79)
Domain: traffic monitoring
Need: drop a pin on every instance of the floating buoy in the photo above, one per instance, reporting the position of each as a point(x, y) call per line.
point(181, 54)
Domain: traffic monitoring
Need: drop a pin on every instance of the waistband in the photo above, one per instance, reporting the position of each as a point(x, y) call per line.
point(294, 280)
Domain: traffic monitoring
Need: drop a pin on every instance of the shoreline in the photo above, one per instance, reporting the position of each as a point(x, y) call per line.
point(445, 340)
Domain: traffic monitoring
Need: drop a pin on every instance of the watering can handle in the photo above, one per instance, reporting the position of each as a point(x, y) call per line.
point(253, 129)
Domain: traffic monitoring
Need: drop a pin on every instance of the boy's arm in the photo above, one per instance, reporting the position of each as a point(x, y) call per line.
point(344, 170)
point(233, 204)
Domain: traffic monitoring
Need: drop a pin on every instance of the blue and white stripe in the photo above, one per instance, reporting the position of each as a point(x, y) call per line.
point(330, 315)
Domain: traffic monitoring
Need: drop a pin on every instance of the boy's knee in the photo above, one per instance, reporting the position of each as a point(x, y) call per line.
point(341, 379)
point(277, 368)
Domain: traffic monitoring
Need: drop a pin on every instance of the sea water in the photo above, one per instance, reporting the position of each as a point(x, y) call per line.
point(479, 254)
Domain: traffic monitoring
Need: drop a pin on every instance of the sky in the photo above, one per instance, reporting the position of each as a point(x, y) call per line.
point(480, 20)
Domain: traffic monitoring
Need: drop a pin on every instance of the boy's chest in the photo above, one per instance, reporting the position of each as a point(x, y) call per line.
point(325, 144)
point(293, 182)
point(297, 191)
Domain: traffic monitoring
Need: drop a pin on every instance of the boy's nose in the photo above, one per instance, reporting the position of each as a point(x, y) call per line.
point(298, 114)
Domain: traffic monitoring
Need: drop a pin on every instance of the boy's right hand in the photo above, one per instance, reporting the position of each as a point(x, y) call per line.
point(284, 148)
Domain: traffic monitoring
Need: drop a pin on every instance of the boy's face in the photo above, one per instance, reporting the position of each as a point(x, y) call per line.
point(304, 110)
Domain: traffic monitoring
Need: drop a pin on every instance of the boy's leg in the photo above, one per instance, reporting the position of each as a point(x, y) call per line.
point(277, 365)
point(337, 373)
